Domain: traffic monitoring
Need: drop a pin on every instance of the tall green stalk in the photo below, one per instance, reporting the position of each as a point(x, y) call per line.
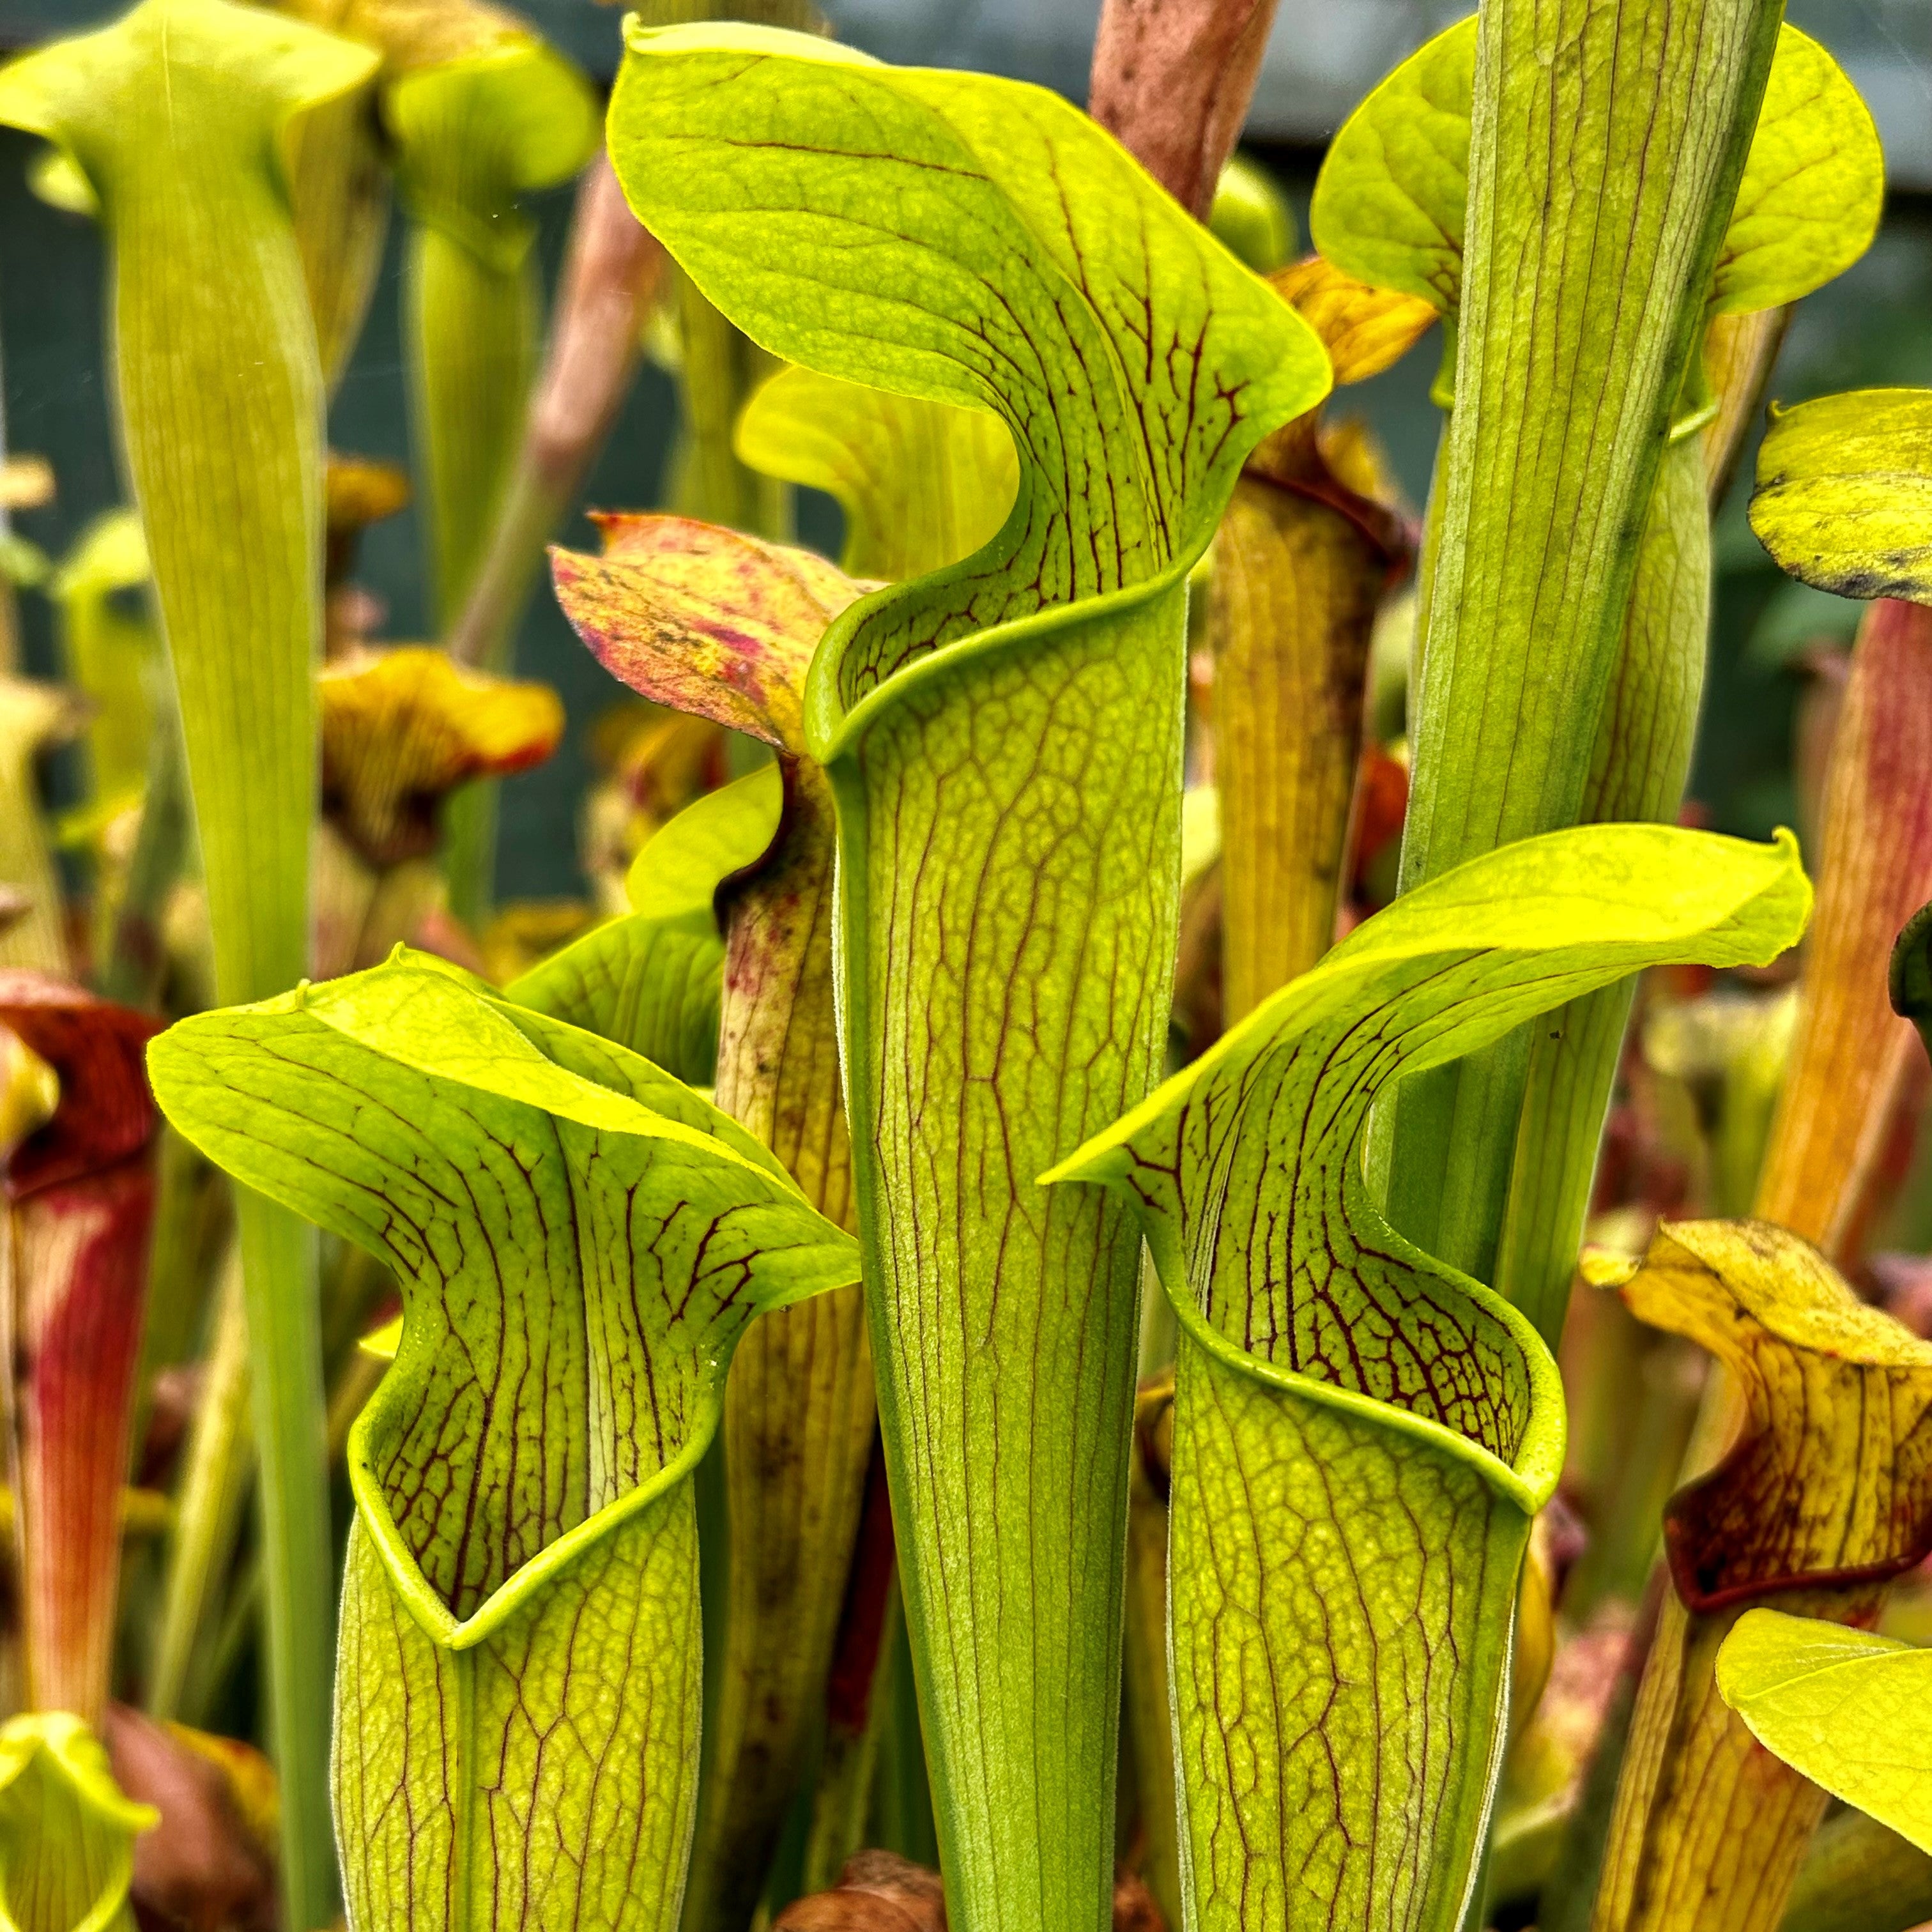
point(172, 115)
point(723, 625)
point(1607, 141)
point(1804, 208)
point(474, 134)
point(1004, 741)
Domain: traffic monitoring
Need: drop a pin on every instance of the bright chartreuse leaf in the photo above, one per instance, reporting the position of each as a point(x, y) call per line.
point(1814, 185)
point(1845, 1707)
point(67, 1832)
point(1389, 203)
point(174, 114)
point(1362, 1435)
point(858, 444)
point(1843, 498)
point(726, 831)
point(1003, 736)
point(649, 981)
point(580, 1241)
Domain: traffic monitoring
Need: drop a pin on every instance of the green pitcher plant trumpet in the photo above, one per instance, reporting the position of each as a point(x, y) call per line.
point(1361, 1434)
point(580, 1239)
point(1002, 741)
point(173, 116)
point(1795, 204)
point(723, 625)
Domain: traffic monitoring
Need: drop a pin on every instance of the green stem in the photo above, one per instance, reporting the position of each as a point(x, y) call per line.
point(209, 1513)
point(1607, 143)
point(721, 368)
point(902, 1820)
point(1641, 759)
point(472, 331)
point(136, 953)
point(278, 1274)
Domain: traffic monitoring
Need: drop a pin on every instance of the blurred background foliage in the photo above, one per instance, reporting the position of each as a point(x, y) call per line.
point(1774, 649)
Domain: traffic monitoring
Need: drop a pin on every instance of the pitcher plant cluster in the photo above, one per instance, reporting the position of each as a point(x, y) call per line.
point(1160, 1250)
